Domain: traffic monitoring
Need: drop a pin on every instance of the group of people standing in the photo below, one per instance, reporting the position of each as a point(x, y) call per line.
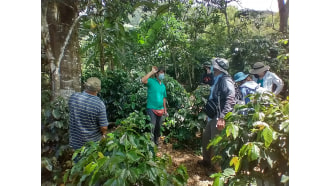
point(88, 121)
point(259, 80)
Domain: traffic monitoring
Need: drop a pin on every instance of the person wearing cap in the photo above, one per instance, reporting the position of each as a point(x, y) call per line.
point(265, 78)
point(156, 100)
point(223, 86)
point(207, 77)
point(88, 118)
point(247, 86)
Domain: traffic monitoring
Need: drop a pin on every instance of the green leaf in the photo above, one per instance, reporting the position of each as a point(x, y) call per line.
point(229, 129)
point(213, 142)
point(254, 152)
point(100, 154)
point(45, 163)
point(235, 130)
point(162, 9)
point(133, 156)
point(90, 167)
point(218, 181)
point(229, 172)
point(57, 124)
point(56, 114)
point(284, 178)
point(65, 176)
point(267, 134)
point(285, 126)
point(244, 149)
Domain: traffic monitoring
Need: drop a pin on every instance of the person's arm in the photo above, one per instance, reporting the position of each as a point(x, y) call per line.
point(164, 103)
point(229, 103)
point(147, 76)
point(104, 131)
point(103, 121)
point(278, 82)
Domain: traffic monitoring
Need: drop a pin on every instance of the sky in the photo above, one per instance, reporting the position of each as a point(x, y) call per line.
point(257, 5)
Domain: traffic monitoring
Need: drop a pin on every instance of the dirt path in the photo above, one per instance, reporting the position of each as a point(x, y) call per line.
point(188, 158)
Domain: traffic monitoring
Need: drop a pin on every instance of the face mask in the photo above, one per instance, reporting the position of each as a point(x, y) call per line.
point(161, 76)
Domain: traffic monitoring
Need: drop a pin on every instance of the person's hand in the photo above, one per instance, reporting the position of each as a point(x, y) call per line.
point(154, 69)
point(221, 124)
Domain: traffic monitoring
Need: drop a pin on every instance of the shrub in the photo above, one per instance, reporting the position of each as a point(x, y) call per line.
point(125, 157)
point(55, 151)
point(253, 147)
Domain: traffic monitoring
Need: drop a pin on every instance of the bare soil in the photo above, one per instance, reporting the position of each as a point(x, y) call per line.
point(197, 175)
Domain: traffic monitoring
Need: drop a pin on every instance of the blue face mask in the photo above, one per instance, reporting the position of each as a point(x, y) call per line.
point(161, 76)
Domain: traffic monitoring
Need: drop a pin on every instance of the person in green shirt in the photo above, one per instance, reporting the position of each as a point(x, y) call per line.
point(156, 100)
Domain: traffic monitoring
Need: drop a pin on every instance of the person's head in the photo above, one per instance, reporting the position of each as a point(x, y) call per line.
point(259, 69)
point(220, 65)
point(160, 74)
point(93, 85)
point(241, 78)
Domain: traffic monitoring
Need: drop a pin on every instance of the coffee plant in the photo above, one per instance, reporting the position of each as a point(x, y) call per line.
point(55, 151)
point(254, 146)
point(126, 156)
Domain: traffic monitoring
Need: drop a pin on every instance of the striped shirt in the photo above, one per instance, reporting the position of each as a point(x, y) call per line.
point(87, 115)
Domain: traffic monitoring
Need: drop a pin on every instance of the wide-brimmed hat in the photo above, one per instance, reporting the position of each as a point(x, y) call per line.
point(93, 84)
point(258, 68)
point(240, 76)
point(220, 64)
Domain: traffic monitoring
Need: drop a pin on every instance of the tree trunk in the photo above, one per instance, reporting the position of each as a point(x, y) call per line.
point(60, 40)
point(227, 21)
point(284, 14)
point(102, 60)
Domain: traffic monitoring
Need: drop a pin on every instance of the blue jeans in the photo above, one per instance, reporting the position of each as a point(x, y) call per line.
point(156, 122)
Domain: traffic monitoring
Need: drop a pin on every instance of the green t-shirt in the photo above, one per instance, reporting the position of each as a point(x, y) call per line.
point(261, 82)
point(156, 94)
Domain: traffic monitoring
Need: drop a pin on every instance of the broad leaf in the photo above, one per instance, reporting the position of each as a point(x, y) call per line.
point(254, 152)
point(244, 149)
point(267, 134)
point(284, 178)
point(90, 167)
point(285, 126)
point(218, 182)
point(229, 172)
point(213, 142)
point(100, 154)
point(56, 114)
point(133, 156)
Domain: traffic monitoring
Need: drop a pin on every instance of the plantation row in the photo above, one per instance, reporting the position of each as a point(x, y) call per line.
point(252, 148)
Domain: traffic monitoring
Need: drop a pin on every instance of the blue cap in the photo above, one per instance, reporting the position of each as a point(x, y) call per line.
point(240, 76)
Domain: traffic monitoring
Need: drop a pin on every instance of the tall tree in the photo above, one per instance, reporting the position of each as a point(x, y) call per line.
point(283, 8)
point(60, 45)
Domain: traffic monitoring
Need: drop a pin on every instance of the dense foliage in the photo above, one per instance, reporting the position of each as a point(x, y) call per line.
point(55, 151)
point(254, 146)
point(125, 157)
point(120, 41)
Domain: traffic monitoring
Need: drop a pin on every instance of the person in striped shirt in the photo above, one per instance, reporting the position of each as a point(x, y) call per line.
point(88, 118)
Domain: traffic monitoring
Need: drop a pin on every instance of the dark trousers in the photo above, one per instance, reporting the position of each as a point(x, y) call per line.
point(156, 122)
point(209, 133)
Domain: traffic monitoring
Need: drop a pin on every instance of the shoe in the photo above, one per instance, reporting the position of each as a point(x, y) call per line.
point(203, 163)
